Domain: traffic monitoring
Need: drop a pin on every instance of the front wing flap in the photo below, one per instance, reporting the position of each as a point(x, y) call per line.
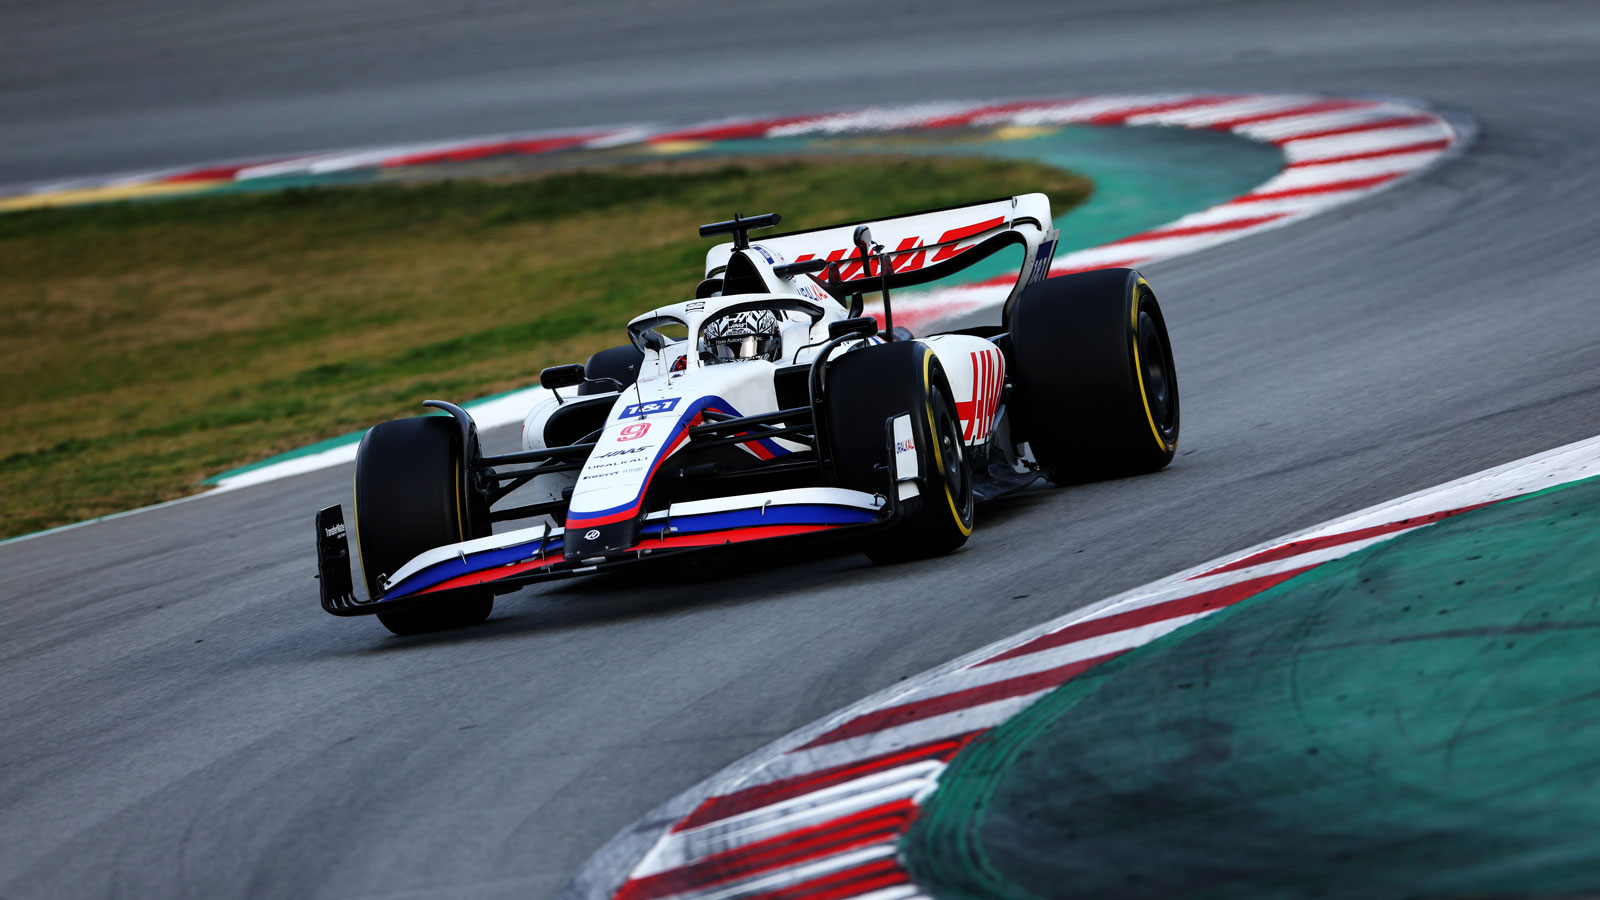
point(528, 555)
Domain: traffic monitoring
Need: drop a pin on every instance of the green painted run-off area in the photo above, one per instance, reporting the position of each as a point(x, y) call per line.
point(1418, 719)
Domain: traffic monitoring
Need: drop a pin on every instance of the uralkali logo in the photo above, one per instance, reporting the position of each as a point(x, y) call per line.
point(906, 464)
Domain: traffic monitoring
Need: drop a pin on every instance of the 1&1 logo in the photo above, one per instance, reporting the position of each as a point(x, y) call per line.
point(649, 407)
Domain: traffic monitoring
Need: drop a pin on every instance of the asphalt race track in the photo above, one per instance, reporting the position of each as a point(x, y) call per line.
point(178, 718)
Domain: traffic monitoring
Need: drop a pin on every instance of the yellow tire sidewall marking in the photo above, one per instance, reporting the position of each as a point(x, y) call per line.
point(456, 478)
point(933, 432)
point(1138, 367)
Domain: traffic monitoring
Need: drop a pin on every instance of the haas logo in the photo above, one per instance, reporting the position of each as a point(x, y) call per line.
point(592, 534)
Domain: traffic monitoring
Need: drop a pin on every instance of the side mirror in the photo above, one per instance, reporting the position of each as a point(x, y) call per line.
point(864, 326)
point(562, 376)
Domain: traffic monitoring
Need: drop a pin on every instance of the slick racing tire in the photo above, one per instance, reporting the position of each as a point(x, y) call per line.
point(1095, 391)
point(618, 363)
point(865, 388)
point(408, 499)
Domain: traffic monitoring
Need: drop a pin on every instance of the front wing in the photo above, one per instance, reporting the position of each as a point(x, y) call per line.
point(527, 555)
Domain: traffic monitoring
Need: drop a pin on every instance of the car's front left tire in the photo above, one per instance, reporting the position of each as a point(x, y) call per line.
point(408, 498)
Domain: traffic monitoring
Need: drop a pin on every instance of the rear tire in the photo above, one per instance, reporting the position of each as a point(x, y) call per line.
point(866, 387)
point(408, 499)
point(1096, 393)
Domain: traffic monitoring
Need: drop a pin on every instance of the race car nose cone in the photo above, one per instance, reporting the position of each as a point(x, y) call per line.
point(581, 543)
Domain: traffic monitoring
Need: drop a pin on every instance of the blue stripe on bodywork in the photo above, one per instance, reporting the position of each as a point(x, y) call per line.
point(798, 514)
point(481, 561)
point(484, 560)
point(715, 404)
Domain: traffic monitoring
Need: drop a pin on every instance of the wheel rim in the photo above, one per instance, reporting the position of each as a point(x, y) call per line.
point(957, 476)
point(1156, 374)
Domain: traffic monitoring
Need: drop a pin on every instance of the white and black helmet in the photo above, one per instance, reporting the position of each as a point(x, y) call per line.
point(753, 334)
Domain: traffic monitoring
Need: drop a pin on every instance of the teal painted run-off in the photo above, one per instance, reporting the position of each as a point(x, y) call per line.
point(343, 440)
point(1143, 178)
point(1417, 719)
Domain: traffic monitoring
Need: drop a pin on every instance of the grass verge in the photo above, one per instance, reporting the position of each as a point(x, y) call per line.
point(147, 346)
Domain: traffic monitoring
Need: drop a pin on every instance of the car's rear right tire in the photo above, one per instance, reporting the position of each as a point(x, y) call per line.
point(1095, 393)
point(407, 500)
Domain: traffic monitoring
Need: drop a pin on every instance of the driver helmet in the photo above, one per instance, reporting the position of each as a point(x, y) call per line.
point(753, 334)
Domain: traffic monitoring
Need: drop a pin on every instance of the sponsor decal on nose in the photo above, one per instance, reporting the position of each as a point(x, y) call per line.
point(634, 410)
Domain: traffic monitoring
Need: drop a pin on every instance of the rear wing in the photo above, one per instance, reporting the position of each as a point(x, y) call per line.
point(922, 246)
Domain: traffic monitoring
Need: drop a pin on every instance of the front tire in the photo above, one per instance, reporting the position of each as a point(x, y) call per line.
point(1096, 392)
point(868, 386)
point(408, 499)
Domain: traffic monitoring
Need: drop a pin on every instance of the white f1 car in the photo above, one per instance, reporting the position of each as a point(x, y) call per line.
point(768, 408)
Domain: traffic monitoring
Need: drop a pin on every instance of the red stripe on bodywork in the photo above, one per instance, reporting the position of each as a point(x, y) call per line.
point(672, 446)
point(853, 269)
point(715, 809)
point(1149, 615)
point(491, 575)
point(984, 408)
point(607, 519)
point(991, 396)
point(756, 448)
point(996, 389)
point(877, 825)
point(956, 235)
point(908, 265)
point(732, 536)
point(917, 261)
point(1310, 545)
point(702, 539)
point(971, 413)
point(927, 708)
